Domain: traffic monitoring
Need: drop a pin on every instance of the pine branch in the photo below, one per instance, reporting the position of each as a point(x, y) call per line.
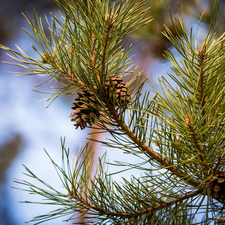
point(147, 149)
point(202, 54)
point(127, 130)
point(69, 76)
point(97, 196)
point(195, 140)
point(195, 100)
point(136, 213)
point(109, 25)
point(179, 132)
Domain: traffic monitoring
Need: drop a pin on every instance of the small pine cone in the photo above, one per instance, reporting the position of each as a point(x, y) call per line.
point(217, 188)
point(115, 87)
point(84, 112)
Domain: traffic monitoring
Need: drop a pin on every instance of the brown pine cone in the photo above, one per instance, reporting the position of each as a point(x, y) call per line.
point(116, 88)
point(217, 188)
point(84, 109)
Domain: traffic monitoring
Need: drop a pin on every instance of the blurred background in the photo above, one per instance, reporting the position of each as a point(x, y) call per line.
point(26, 127)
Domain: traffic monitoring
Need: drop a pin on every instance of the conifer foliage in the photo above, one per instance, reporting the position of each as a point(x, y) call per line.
point(178, 134)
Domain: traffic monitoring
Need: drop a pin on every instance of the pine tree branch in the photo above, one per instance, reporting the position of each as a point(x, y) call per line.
point(87, 205)
point(202, 61)
point(127, 130)
point(147, 149)
point(83, 56)
point(109, 22)
point(202, 56)
point(70, 76)
point(162, 205)
point(138, 213)
point(92, 54)
point(195, 140)
point(219, 161)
